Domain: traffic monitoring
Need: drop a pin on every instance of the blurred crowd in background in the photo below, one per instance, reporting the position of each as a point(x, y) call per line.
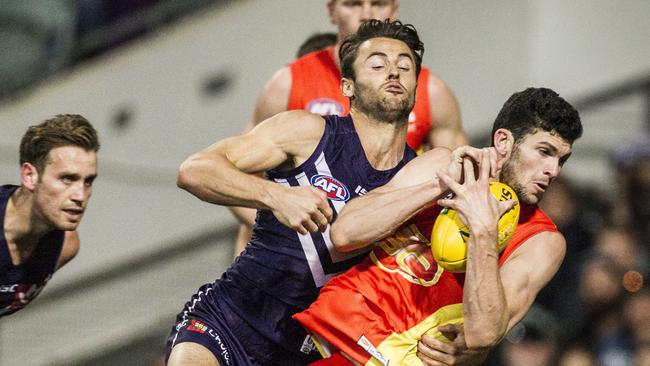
point(595, 311)
point(41, 38)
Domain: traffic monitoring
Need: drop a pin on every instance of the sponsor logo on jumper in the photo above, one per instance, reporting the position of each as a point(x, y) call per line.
point(360, 191)
point(197, 326)
point(24, 293)
point(336, 191)
point(307, 345)
point(8, 288)
point(364, 343)
point(325, 107)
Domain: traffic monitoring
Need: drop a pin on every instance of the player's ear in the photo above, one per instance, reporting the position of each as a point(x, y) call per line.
point(503, 142)
point(28, 176)
point(347, 86)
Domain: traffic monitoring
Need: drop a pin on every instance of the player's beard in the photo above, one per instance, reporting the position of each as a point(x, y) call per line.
point(509, 176)
point(377, 106)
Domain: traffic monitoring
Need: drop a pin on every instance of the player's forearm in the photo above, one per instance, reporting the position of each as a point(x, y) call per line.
point(217, 180)
point(484, 302)
point(369, 218)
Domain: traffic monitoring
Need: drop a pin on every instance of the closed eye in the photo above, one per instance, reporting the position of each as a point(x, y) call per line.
point(67, 179)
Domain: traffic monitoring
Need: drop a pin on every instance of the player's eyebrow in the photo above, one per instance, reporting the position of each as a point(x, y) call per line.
point(548, 145)
point(554, 150)
point(382, 54)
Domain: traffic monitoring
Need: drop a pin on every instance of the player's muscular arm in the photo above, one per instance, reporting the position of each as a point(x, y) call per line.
point(485, 308)
point(273, 99)
point(521, 282)
point(379, 213)
point(365, 219)
point(69, 250)
point(447, 129)
point(225, 173)
point(528, 270)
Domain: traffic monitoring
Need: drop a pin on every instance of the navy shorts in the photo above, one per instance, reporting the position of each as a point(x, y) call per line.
point(210, 333)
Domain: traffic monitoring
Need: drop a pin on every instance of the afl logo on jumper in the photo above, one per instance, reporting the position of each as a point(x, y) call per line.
point(336, 191)
point(325, 107)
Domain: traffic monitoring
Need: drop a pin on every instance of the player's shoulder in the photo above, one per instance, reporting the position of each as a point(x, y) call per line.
point(544, 246)
point(302, 115)
point(436, 83)
point(314, 56)
point(70, 249)
point(296, 122)
point(547, 243)
point(281, 80)
point(7, 190)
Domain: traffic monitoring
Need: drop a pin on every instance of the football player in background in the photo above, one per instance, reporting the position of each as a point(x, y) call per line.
point(313, 83)
point(58, 165)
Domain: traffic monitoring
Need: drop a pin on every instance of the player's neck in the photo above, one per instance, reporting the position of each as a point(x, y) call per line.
point(22, 225)
point(383, 142)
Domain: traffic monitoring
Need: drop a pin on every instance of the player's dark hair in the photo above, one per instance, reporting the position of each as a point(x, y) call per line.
point(316, 42)
point(62, 130)
point(375, 29)
point(536, 109)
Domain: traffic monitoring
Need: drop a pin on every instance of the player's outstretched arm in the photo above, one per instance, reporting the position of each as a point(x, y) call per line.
point(225, 172)
point(379, 213)
point(447, 128)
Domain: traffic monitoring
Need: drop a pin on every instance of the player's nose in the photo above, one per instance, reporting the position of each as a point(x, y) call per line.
point(366, 12)
point(80, 193)
point(552, 168)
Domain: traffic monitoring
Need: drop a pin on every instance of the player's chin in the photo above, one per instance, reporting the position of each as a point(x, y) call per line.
point(531, 198)
point(69, 225)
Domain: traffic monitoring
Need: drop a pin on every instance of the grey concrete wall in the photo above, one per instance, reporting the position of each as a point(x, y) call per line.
point(484, 50)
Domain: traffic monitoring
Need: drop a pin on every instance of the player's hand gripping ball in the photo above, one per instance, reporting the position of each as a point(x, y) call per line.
point(449, 236)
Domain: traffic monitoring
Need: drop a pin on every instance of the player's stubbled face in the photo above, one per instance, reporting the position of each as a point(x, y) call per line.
point(534, 163)
point(385, 80)
point(349, 14)
point(65, 185)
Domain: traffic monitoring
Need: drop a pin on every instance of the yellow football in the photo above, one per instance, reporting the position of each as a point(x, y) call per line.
point(449, 235)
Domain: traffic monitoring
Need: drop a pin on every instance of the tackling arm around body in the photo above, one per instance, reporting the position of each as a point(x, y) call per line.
point(225, 173)
point(379, 213)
